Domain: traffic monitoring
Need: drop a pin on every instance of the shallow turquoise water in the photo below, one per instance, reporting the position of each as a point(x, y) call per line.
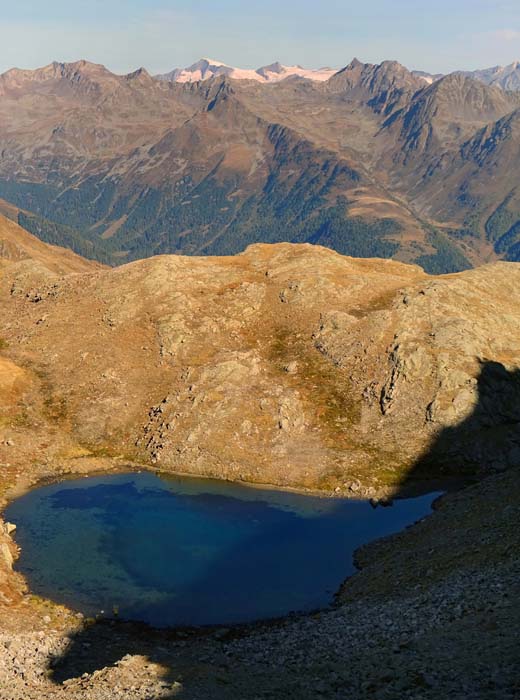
point(180, 551)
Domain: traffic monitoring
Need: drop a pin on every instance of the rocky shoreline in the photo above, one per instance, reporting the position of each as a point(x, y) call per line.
point(433, 613)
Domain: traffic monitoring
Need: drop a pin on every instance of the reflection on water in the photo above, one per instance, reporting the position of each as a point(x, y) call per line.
point(171, 551)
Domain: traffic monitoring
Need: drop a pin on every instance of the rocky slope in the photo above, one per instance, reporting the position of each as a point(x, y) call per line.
point(287, 364)
point(291, 365)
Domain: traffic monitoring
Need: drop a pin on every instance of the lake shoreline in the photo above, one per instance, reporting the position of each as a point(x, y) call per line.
point(411, 489)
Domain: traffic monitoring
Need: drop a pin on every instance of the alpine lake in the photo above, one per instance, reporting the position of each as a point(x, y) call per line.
point(179, 551)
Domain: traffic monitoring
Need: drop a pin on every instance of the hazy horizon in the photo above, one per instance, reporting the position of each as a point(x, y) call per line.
point(160, 35)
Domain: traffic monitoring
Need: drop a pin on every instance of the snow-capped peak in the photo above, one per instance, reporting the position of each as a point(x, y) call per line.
point(207, 68)
point(213, 62)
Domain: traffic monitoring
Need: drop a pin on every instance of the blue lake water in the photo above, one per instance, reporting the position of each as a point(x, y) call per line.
point(181, 551)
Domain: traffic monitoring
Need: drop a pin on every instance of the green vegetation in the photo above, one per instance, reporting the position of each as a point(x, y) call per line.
point(503, 229)
point(447, 258)
point(513, 253)
point(462, 233)
point(500, 221)
point(59, 234)
point(207, 219)
point(296, 204)
point(508, 242)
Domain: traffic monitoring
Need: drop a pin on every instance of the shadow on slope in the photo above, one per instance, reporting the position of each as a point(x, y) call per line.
point(487, 441)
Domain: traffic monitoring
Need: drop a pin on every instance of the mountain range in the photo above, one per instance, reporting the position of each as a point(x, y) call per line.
point(374, 160)
point(505, 77)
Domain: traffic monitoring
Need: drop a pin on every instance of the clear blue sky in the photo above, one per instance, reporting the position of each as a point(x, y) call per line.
point(438, 35)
